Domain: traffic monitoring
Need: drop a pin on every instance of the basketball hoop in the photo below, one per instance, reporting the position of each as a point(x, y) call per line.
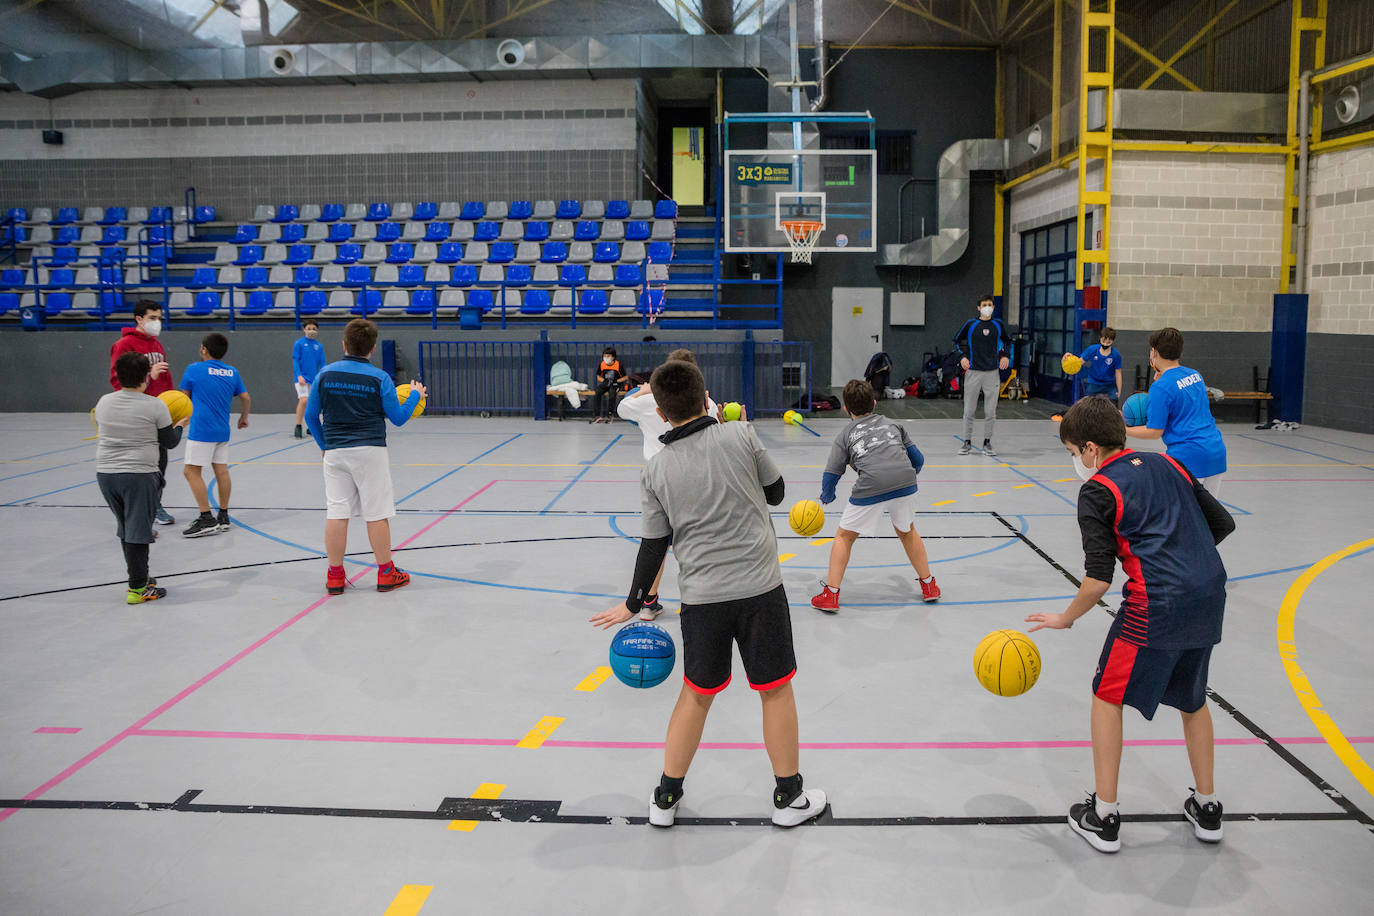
point(802, 235)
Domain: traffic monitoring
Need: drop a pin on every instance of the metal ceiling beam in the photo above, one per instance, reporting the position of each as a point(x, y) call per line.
point(509, 17)
point(1161, 65)
point(1189, 43)
point(371, 20)
point(943, 23)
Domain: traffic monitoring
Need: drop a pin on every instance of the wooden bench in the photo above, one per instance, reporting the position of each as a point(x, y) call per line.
point(561, 396)
point(1259, 392)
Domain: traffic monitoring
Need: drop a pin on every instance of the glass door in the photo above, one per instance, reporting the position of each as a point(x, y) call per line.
point(1048, 258)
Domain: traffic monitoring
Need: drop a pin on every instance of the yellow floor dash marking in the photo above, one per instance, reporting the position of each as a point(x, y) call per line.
point(485, 790)
point(1023, 486)
point(409, 900)
point(985, 493)
point(541, 732)
point(821, 542)
point(784, 557)
point(595, 679)
point(945, 502)
point(1066, 480)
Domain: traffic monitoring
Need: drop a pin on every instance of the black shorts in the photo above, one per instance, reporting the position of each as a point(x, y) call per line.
point(1143, 677)
point(762, 626)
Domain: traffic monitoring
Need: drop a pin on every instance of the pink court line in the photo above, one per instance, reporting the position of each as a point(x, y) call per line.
point(187, 691)
point(55, 730)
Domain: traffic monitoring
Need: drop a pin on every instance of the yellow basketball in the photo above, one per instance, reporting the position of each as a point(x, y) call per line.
point(1071, 364)
point(178, 403)
point(1007, 663)
point(806, 518)
point(731, 411)
point(789, 417)
point(403, 392)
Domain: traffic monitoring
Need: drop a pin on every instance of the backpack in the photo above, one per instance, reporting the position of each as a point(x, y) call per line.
point(560, 373)
point(879, 372)
point(951, 374)
point(929, 385)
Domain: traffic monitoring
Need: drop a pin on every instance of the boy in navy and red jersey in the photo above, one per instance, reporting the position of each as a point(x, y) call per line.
point(1147, 510)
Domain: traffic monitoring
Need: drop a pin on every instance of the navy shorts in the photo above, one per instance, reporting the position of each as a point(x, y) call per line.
point(761, 626)
point(1092, 388)
point(1143, 677)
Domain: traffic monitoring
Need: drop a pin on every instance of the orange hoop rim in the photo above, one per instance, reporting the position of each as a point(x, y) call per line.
point(799, 229)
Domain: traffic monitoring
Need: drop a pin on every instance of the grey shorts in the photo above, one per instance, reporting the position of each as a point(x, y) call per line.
point(133, 499)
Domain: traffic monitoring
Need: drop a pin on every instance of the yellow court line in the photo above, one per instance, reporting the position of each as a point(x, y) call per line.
point(784, 557)
point(1023, 486)
point(985, 493)
point(541, 732)
point(1288, 653)
point(485, 790)
point(1066, 480)
point(409, 900)
point(595, 679)
point(945, 502)
point(818, 542)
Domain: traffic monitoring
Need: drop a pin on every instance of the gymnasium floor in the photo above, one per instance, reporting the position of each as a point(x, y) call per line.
point(250, 746)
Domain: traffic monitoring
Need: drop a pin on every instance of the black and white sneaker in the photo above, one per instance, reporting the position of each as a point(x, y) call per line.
point(222, 522)
point(988, 450)
point(809, 803)
point(663, 809)
point(1101, 834)
point(1206, 819)
point(966, 447)
point(203, 525)
point(651, 611)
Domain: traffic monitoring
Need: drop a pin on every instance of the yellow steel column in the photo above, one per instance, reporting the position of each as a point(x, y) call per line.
point(1301, 24)
point(1095, 18)
point(999, 200)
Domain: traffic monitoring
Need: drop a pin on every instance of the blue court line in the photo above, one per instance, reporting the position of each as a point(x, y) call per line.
point(1236, 509)
point(618, 437)
point(44, 470)
point(1294, 448)
point(1013, 468)
point(580, 475)
point(457, 469)
point(1333, 442)
point(53, 452)
point(277, 452)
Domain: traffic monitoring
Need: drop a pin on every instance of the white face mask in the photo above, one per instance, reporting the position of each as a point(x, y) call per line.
point(312, 333)
point(608, 359)
point(1082, 470)
point(985, 311)
point(152, 327)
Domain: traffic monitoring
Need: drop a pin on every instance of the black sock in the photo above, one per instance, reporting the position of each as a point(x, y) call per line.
point(651, 600)
point(136, 561)
point(207, 514)
point(789, 787)
point(669, 791)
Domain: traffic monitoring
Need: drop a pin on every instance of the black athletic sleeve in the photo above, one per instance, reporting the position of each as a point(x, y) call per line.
point(1004, 344)
point(652, 552)
point(773, 492)
point(1219, 521)
point(169, 436)
point(961, 340)
point(1096, 516)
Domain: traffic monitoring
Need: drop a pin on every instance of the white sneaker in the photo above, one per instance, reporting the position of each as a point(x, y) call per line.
point(662, 817)
point(809, 804)
point(651, 611)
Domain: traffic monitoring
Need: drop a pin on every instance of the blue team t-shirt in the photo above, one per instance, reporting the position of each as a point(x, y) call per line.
point(307, 359)
point(211, 385)
point(1102, 367)
point(1178, 405)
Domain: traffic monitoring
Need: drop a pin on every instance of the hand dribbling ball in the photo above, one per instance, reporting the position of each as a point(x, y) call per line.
point(642, 654)
point(806, 517)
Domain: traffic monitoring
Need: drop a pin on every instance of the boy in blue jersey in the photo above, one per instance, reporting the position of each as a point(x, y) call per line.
point(349, 405)
point(1103, 363)
point(212, 385)
point(307, 359)
point(1147, 510)
point(1181, 414)
point(984, 351)
point(887, 464)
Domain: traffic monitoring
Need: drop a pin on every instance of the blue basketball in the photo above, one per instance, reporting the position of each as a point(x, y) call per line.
point(1136, 409)
point(642, 654)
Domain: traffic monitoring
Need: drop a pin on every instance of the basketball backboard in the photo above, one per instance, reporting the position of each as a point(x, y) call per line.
point(769, 188)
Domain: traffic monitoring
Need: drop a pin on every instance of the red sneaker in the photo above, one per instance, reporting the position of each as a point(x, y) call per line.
point(930, 592)
point(828, 600)
point(390, 581)
point(334, 584)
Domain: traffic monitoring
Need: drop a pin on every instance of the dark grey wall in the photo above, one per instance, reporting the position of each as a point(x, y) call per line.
point(1225, 359)
point(1340, 377)
point(940, 97)
point(235, 184)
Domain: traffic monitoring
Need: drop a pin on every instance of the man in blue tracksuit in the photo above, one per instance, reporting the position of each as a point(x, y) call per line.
point(307, 359)
point(984, 350)
point(349, 405)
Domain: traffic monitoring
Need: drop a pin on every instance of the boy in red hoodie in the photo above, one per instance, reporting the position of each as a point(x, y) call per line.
point(142, 338)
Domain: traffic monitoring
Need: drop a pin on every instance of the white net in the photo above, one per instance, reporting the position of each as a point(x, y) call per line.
point(802, 236)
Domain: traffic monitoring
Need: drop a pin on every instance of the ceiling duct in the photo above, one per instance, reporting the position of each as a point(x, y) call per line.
point(951, 240)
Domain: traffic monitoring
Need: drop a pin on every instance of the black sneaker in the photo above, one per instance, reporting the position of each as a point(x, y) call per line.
point(1101, 834)
point(202, 526)
point(966, 447)
point(222, 522)
point(1206, 819)
point(988, 450)
point(300, 433)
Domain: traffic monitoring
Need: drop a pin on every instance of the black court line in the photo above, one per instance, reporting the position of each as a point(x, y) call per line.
point(529, 811)
point(438, 511)
point(1352, 811)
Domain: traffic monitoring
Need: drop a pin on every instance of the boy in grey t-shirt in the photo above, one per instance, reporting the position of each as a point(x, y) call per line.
point(887, 463)
point(132, 426)
point(707, 493)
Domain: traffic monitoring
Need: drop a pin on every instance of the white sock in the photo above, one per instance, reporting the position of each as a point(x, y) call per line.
point(1104, 809)
point(1204, 800)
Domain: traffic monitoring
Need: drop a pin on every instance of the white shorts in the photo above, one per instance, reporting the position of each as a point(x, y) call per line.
point(302, 391)
point(357, 481)
point(199, 454)
point(1212, 484)
point(867, 519)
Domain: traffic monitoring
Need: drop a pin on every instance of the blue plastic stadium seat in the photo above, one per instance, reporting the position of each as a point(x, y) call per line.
point(249, 255)
point(617, 209)
point(60, 277)
point(554, 253)
point(606, 253)
point(63, 255)
point(660, 252)
point(205, 304)
point(339, 233)
point(246, 232)
point(536, 231)
point(637, 230)
point(389, 232)
point(665, 209)
point(308, 274)
point(12, 277)
point(473, 210)
point(651, 301)
point(569, 209)
point(628, 275)
point(358, 275)
point(587, 231)
point(464, 274)
point(450, 253)
point(255, 276)
point(57, 303)
point(155, 235)
point(486, 231)
point(9, 302)
point(298, 254)
point(518, 275)
point(410, 274)
point(536, 302)
point(400, 253)
point(520, 209)
point(113, 235)
point(425, 211)
point(349, 253)
point(313, 301)
point(368, 302)
point(158, 215)
point(378, 212)
point(331, 213)
point(114, 254)
point(68, 235)
point(114, 215)
point(482, 299)
point(286, 213)
point(205, 214)
point(501, 253)
point(259, 301)
point(292, 233)
point(437, 232)
point(14, 234)
point(202, 277)
point(421, 302)
point(593, 302)
point(18, 214)
point(66, 215)
point(572, 275)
